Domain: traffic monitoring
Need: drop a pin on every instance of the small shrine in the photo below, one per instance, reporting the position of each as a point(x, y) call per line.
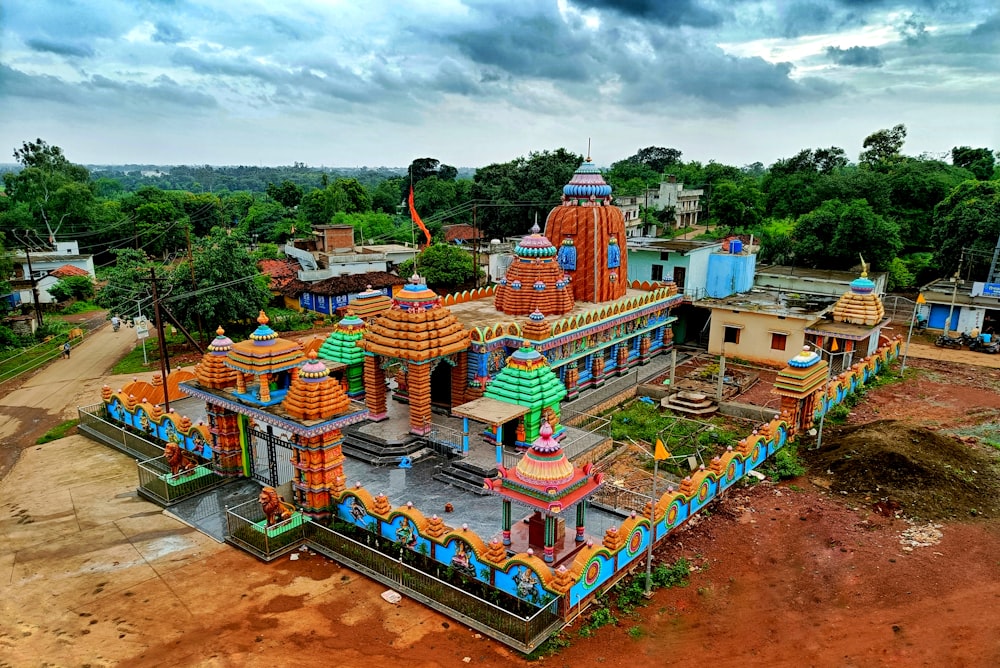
point(535, 281)
point(262, 364)
point(341, 347)
point(854, 324)
point(527, 380)
point(797, 385)
point(548, 483)
point(423, 337)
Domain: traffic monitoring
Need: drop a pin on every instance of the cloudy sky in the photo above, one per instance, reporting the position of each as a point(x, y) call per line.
point(470, 82)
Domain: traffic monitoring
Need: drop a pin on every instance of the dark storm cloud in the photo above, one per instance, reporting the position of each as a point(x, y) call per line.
point(988, 29)
point(61, 48)
point(804, 18)
point(663, 12)
point(162, 90)
point(856, 56)
point(536, 46)
point(167, 33)
point(15, 83)
point(912, 30)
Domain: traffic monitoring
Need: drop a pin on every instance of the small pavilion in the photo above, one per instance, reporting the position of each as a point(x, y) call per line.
point(853, 326)
point(548, 483)
point(797, 383)
point(527, 380)
point(535, 281)
point(263, 364)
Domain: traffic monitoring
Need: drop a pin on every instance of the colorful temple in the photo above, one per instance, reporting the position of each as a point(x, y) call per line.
point(565, 321)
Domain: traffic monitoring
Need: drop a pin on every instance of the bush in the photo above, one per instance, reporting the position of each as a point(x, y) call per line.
point(73, 287)
point(9, 339)
point(784, 464)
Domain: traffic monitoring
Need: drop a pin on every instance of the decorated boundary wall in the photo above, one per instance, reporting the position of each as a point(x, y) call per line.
point(150, 420)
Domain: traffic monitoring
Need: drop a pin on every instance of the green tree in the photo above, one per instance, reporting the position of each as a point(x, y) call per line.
point(836, 233)
point(386, 195)
point(737, 206)
point(776, 242)
point(655, 158)
point(883, 146)
point(56, 192)
point(235, 206)
point(227, 286)
point(916, 186)
point(519, 190)
point(980, 161)
point(445, 268)
point(125, 288)
point(352, 196)
point(288, 194)
point(968, 218)
point(73, 287)
point(268, 221)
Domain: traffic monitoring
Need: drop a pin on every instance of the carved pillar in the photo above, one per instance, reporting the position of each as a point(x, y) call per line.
point(241, 382)
point(549, 554)
point(459, 380)
point(581, 519)
point(227, 455)
point(264, 392)
point(597, 368)
point(374, 388)
point(622, 359)
point(572, 380)
point(319, 472)
point(420, 398)
point(644, 344)
point(668, 337)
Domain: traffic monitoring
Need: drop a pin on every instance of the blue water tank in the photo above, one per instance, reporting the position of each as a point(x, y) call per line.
point(735, 246)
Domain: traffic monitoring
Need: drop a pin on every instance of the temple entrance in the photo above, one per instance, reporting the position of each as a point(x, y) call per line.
point(441, 385)
point(271, 457)
point(510, 432)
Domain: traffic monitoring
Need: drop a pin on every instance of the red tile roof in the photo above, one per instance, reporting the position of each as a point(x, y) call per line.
point(462, 231)
point(282, 272)
point(68, 270)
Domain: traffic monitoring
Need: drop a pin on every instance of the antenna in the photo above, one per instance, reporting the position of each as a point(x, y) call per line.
point(588, 149)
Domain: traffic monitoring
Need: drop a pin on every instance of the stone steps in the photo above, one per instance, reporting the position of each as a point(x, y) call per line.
point(690, 403)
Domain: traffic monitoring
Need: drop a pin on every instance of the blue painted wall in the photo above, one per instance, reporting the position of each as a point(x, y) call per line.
point(729, 274)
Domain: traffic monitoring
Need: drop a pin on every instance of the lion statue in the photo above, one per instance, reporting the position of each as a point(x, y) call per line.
point(275, 508)
point(178, 460)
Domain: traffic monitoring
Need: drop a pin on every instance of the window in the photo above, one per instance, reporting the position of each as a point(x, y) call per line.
point(731, 334)
point(778, 341)
point(657, 272)
point(665, 256)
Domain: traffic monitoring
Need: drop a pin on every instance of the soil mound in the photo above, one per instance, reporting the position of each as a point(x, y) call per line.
point(899, 466)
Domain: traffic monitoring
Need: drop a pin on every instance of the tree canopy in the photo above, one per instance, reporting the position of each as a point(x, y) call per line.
point(445, 268)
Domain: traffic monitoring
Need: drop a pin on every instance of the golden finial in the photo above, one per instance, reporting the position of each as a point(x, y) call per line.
point(262, 318)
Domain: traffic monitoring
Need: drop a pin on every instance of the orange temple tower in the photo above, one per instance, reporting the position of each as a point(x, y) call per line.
point(535, 281)
point(590, 234)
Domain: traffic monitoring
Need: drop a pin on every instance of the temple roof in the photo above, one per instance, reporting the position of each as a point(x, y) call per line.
point(527, 380)
point(314, 395)
point(417, 327)
point(535, 281)
point(341, 346)
point(264, 351)
point(545, 478)
point(212, 370)
point(860, 305)
point(587, 182)
point(804, 373)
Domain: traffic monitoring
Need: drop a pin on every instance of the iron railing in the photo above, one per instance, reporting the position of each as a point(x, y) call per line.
point(522, 633)
point(94, 422)
point(246, 527)
point(158, 484)
point(620, 500)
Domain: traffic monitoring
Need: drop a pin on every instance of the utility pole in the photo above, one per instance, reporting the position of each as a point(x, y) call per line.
point(194, 282)
point(34, 287)
point(954, 293)
point(475, 248)
point(164, 361)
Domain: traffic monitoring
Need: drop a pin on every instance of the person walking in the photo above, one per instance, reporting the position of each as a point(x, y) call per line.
point(66, 348)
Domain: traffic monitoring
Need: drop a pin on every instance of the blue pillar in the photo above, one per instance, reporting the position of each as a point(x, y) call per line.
point(499, 445)
point(465, 435)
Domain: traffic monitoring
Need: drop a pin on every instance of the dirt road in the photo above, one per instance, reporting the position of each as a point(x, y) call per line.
point(52, 394)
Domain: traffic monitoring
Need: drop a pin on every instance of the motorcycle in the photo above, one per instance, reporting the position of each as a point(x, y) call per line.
point(115, 324)
point(980, 345)
point(945, 341)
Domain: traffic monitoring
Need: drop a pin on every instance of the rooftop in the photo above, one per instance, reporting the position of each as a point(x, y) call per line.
point(827, 275)
point(772, 302)
point(481, 312)
point(677, 245)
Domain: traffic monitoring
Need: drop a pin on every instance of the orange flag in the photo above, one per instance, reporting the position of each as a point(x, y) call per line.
point(416, 218)
point(660, 453)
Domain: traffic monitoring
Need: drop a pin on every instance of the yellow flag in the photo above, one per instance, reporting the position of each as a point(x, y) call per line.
point(920, 299)
point(661, 451)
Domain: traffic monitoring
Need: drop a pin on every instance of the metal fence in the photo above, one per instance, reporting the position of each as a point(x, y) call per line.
point(619, 500)
point(246, 527)
point(899, 308)
point(522, 633)
point(157, 483)
point(94, 423)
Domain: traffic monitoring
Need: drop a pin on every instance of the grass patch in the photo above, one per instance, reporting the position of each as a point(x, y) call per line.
point(80, 307)
point(57, 432)
point(784, 464)
point(132, 362)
